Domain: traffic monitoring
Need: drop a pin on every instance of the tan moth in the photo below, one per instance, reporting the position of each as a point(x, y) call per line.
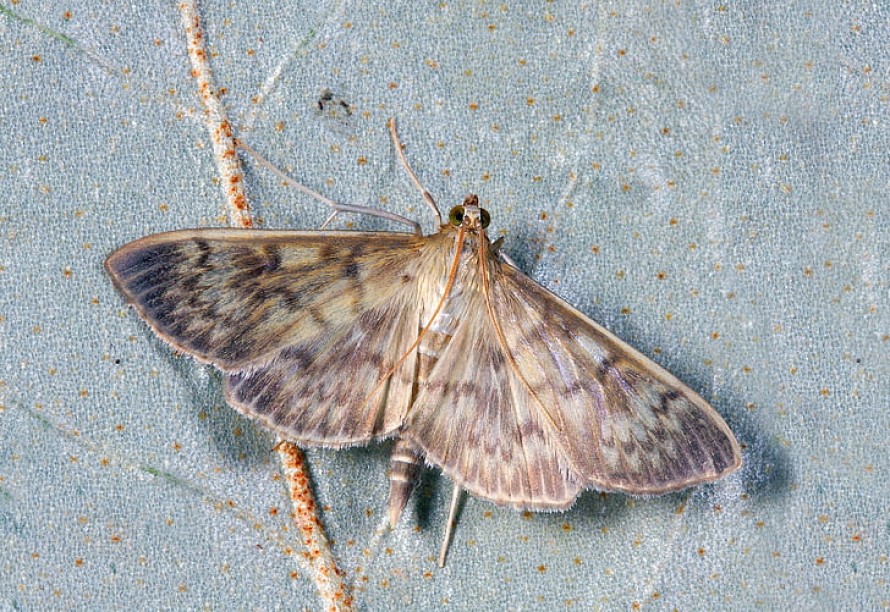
point(340, 338)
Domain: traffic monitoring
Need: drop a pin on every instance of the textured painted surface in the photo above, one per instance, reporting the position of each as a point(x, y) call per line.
point(710, 183)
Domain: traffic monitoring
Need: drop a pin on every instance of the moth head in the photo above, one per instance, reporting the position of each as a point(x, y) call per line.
point(469, 214)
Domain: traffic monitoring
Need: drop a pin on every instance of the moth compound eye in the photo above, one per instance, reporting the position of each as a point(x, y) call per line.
point(456, 216)
point(484, 218)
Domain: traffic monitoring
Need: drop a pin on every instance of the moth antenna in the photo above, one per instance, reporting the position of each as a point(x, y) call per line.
point(449, 526)
point(452, 274)
point(351, 208)
point(502, 340)
point(427, 196)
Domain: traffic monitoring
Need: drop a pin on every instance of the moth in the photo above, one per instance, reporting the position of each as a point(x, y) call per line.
point(341, 338)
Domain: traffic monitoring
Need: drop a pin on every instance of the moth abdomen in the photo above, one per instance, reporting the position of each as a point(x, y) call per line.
point(404, 469)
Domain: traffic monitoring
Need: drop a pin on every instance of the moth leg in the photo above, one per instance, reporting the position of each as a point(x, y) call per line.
point(495, 248)
point(337, 207)
point(404, 467)
point(427, 196)
point(329, 219)
point(452, 522)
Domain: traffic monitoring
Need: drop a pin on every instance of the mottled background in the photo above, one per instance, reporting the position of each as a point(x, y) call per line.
point(709, 181)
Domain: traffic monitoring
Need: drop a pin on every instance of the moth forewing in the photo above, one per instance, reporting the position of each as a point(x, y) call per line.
point(289, 317)
point(626, 423)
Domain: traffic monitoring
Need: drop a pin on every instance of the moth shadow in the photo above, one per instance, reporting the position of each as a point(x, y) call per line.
point(595, 508)
point(767, 471)
point(526, 246)
point(237, 438)
point(428, 494)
